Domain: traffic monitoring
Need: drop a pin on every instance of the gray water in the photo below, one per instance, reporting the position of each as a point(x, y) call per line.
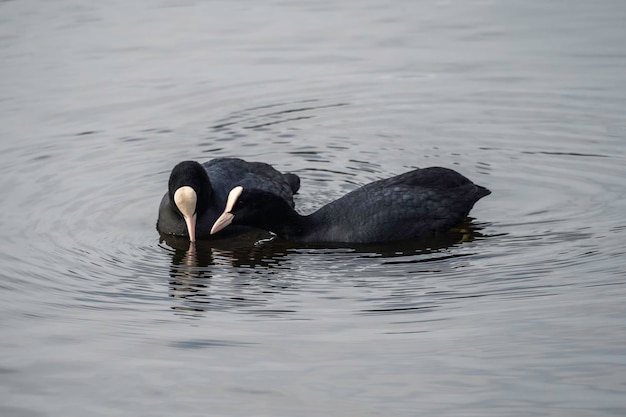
point(526, 317)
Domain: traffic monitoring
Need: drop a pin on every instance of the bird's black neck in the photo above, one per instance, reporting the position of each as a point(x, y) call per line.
point(287, 223)
point(290, 225)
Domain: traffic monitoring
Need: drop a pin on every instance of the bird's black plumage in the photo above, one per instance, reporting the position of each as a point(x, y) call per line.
point(414, 205)
point(212, 181)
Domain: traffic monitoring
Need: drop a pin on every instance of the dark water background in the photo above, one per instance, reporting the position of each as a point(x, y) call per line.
point(99, 100)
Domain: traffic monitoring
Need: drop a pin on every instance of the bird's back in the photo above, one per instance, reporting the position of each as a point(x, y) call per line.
point(227, 173)
point(412, 205)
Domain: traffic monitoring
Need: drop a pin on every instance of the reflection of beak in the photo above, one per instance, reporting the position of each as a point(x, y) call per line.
point(224, 220)
point(191, 227)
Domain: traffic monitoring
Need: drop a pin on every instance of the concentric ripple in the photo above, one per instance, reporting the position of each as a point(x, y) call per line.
point(101, 201)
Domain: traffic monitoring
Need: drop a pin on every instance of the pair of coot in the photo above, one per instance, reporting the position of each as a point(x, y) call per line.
point(229, 195)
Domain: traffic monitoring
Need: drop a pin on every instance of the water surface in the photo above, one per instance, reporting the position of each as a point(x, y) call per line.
point(525, 317)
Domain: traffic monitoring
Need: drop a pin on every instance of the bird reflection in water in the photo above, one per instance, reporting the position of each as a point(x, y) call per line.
point(245, 265)
point(196, 266)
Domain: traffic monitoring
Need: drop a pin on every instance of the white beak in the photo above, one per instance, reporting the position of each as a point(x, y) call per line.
point(227, 217)
point(185, 199)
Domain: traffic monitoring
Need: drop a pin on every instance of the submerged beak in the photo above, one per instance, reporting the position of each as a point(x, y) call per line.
point(191, 227)
point(185, 199)
point(227, 217)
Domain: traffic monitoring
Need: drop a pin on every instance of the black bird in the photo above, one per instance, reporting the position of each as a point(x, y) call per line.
point(414, 205)
point(197, 193)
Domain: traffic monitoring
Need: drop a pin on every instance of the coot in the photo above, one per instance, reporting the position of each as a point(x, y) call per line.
point(417, 204)
point(197, 193)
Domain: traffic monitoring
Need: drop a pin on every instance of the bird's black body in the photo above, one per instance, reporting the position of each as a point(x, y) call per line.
point(212, 181)
point(414, 205)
